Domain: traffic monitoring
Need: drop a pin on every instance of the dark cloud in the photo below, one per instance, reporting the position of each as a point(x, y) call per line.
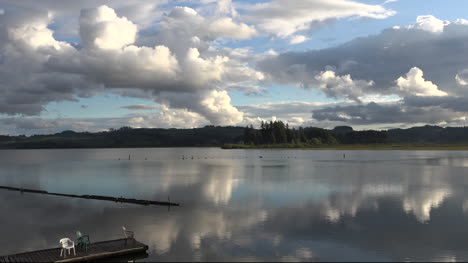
point(374, 113)
point(458, 104)
point(141, 107)
point(382, 58)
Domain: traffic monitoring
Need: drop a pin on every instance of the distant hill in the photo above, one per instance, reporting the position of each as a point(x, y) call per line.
point(216, 136)
point(127, 137)
point(429, 134)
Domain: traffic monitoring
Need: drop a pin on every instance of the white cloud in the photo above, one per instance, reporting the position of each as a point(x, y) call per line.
point(109, 59)
point(415, 84)
point(462, 78)
point(200, 71)
point(341, 86)
point(131, 66)
point(181, 118)
point(226, 27)
point(35, 33)
point(66, 13)
point(297, 39)
point(382, 58)
point(285, 17)
point(102, 28)
point(429, 23)
point(217, 107)
point(165, 118)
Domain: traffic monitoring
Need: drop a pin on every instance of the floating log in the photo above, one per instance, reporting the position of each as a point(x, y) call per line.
point(105, 250)
point(95, 197)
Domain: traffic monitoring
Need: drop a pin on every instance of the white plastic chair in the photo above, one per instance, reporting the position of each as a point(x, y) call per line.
point(128, 234)
point(67, 245)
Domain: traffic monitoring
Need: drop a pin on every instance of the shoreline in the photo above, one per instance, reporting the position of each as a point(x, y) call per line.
point(409, 147)
point(396, 147)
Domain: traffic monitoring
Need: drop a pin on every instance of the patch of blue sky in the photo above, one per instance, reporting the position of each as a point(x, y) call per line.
point(99, 106)
point(346, 29)
point(280, 93)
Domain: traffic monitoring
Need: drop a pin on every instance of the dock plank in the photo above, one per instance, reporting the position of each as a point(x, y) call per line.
point(28, 258)
point(21, 258)
point(49, 255)
point(38, 256)
point(98, 250)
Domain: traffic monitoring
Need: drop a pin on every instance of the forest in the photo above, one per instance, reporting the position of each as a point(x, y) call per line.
point(279, 133)
point(269, 134)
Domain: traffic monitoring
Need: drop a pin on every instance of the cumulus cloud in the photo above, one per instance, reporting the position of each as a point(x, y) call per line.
point(226, 27)
point(217, 107)
point(429, 23)
point(66, 13)
point(284, 17)
point(108, 58)
point(295, 113)
point(174, 56)
point(184, 27)
point(415, 84)
point(101, 28)
point(382, 58)
point(423, 63)
point(165, 118)
point(26, 85)
point(297, 39)
point(214, 105)
point(339, 86)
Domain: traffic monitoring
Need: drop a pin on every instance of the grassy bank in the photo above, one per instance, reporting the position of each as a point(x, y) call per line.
point(449, 147)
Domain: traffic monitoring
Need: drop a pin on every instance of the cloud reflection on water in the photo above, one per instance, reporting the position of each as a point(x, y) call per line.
point(245, 208)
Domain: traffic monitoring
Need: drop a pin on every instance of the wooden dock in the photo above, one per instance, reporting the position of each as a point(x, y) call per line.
point(96, 251)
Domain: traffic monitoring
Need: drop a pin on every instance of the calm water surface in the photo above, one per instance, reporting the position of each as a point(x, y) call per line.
point(289, 205)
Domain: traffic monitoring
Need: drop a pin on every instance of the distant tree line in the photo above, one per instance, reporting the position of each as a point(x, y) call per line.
point(276, 132)
point(269, 133)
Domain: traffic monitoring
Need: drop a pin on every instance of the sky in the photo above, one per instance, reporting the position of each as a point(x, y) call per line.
point(92, 65)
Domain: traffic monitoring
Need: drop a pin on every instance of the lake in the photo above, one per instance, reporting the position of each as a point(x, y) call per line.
point(244, 205)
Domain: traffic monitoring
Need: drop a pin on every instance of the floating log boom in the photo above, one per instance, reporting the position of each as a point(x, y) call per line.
point(95, 197)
